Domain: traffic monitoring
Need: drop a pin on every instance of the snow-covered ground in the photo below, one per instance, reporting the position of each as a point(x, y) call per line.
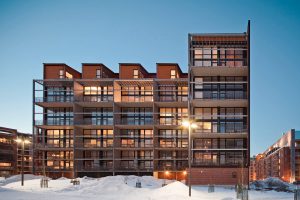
point(115, 188)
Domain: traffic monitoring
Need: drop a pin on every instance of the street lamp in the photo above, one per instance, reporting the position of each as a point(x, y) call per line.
point(190, 126)
point(22, 141)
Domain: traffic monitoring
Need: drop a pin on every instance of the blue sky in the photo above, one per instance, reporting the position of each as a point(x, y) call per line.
point(147, 32)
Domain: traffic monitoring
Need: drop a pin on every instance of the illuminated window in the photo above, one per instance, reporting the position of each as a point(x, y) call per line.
point(49, 163)
point(61, 73)
point(173, 74)
point(4, 140)
point(68, 75)
point(5, 164)
point(135, 73)
point(198, 53)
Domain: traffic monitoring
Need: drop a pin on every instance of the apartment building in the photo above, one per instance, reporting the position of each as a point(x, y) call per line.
point(281, 160)
point(252, 169)
point(219, 79)
point(98, 122)
point(11, 152)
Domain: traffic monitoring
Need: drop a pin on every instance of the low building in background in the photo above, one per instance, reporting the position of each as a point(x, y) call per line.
point(252, 169)
point(11, 152)
point(281, 160)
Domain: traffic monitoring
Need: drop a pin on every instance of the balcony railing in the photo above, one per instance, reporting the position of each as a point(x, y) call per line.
point(132, 121)
point(137, 98)
point(94, 168)
point(100, 98)
point(174, 98)
point(220, 62)
point(219, 96)
point(95, 121)
point(54, 99)
point(137, 145)
point(54, 123)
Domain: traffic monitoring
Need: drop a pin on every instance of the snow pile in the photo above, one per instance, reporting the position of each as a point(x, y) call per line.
point(17, 178)
point(272, 183)
point(119, 187)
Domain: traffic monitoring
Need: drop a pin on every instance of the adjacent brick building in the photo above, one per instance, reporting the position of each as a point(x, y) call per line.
point(98, 122)
point(281, 160)
point(11, 152)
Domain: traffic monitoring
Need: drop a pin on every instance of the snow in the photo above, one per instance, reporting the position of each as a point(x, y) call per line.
point(115, 187)
point(272, 183)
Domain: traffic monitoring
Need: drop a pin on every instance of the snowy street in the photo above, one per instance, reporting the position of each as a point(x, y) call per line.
point(116, 188)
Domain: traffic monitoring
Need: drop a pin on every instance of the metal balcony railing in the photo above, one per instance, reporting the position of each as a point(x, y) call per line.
point(132, 121)
point(95, 121)
point(174, 98)
point(54, 122)
point(90, 98)
point(54, 99)
point(219, 96)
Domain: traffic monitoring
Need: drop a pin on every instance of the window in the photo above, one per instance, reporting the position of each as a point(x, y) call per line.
point(98, 93)
point(172, 116)
point(61, 73)
point(135, 73)
point(136, 116)
point(137, 93)
point(98, 116)
point(68, 75)
point(98, 73)
point(173, 74)
point(213, 87)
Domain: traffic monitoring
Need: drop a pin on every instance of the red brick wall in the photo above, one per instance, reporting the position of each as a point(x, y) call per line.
point(164, 71)
point(90, 71)
point(218, 176)
point(52, 71)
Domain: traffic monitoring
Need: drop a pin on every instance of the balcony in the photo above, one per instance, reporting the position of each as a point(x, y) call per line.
point(219, 70)
point(133, 123)
point(54, 101)
point(94, 168)
point(54, 123)
point(95, 101)
point(95, 121)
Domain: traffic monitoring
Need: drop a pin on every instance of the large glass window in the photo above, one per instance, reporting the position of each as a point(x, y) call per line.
point(219, 158)
point(137, 93)
point(172, 116)
point(98, 116)
point(59, 138)
point(221, 120)
point(97, 138)
point(173, 93)
point(137, 116)
point(215, 56)
point(173, 138)
point(136, 138)
point(59, 116)
point(98, 93)
point(59, 159)
point(58, 94)
point(220, 87)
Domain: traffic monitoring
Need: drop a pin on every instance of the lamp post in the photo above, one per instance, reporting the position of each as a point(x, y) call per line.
point(190, 126)
point(22, 141)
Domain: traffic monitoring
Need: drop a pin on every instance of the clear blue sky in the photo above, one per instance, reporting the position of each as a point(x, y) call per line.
point(110, 32)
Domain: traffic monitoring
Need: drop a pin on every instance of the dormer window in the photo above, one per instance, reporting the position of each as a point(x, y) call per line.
point(61, 73)
point(135, 73)
point(98, 73)
point(173, 74)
